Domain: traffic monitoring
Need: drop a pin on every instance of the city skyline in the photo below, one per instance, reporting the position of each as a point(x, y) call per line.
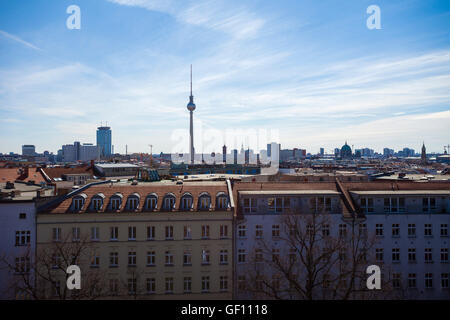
point(258, 65)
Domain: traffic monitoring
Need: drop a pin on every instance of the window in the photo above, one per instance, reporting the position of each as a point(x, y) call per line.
point(56, 261)
point(444, 280)
point(275, 230)
point(411, 230)
point(363, 230)
point(395, 230)
point(444, 230)
point(222, 202)
point(187, 287)
point(275, 255)
point(22, 215)
point(444, 254)
point(292, 255)
point(259, 255)
point(169, 285)
point(205, 257)
point(223, 283)
point(428, 204)
point(428, 231)
point(412, 255)
point(326, 230)
point(395, 255)
point(241, 283)
point(23, 238)
point(259, 231)
point(223, 258)
point(428, 280)
point(131, 233)
point(151, 258)
point(187, 258)
point(169, 258)
point(186, 203)
point(97, 203)
point(278, 204)
point(342, 230)
point(56, 288)
point(326, 281)
point(204, 202)
point(56, 234)
point(242, 231)
point(428, 255)
point(22, 265)
point(95, 233)
point(379, 255)
point(115, 203)
point(151, 285)
point(169, 232)
point(151, 232)
point(113, 259)
point(205, 284)
point(394, 205)
point(205, 232)
point(114, 234)
point(379, 229)
point(132, 259)
point(187, 232)
point(412, 281)
point(151, 203)
point(114, 286)
point(132, 286)
point(367, 205)
point(223, 231)
point(242, 255)
point(396, 280)
point(95, 260)
point(133, 203)
point(320, 204)
point(169, 203)
point(78, 203)
point(249, 205)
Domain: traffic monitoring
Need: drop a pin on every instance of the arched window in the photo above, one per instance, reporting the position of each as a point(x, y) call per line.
point(204, 201)
point(133, 201)
point(222, 201)
point(169, 202)
point(97, 202)
point(78, 202)
point(151, 202)
point(115, 202)
point(187, 202)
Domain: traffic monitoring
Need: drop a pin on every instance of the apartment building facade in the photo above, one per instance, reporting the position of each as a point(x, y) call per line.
point(157, 240)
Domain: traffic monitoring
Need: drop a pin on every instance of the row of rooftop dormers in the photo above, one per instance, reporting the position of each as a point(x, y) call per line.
point(155, 196)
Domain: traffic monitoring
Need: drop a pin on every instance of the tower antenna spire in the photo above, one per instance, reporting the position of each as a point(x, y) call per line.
point(191, 80)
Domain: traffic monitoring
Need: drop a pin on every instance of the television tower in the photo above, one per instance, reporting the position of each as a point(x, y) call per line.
point(191, 108)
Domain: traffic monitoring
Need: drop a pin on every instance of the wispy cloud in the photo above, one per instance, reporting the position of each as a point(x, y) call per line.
point(19, 40)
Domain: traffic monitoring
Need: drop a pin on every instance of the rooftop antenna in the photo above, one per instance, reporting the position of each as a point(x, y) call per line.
point(191, 80)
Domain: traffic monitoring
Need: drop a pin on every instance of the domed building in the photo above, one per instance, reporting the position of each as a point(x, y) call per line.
point(346, 151)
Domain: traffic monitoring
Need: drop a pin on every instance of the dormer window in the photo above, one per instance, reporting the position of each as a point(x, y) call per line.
point(169, 202)
point(222, 201)
point(78, 202)
point(97, 202)
point(152, 202)
point(186, 202)
point(116, 201)
point(204, 201)
point(133, 202)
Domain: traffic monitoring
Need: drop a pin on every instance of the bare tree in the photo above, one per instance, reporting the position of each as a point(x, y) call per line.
point(42, 274)
point(309, 261)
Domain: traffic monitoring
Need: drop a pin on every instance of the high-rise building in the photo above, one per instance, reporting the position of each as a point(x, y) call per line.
point(28, 150)
point(76, 151)
point(322, 151)
point(104, 141)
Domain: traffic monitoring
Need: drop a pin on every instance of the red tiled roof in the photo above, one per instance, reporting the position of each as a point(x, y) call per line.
point(13, 174)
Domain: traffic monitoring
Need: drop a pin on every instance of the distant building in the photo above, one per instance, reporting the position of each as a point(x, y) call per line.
point(28, 150)
point(322, 151)
point(424, 154)
point(388, 152)
point(104, 141)
point(77, 152)
point(346, 151)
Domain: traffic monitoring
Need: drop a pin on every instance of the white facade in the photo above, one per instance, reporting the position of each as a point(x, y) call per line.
point(17, 242)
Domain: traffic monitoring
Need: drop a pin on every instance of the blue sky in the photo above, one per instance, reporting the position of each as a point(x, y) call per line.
point(310, 69)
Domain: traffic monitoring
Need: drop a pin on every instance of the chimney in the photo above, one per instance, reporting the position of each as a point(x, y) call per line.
point(92, 163)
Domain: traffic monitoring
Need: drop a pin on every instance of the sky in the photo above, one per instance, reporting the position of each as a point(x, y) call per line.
point(310, 71)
